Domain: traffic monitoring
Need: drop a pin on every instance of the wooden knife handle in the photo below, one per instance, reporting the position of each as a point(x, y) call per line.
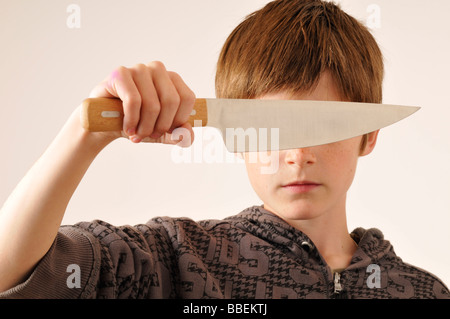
point(106, 114)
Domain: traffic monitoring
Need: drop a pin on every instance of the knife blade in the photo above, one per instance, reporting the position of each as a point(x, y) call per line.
point(248, 125)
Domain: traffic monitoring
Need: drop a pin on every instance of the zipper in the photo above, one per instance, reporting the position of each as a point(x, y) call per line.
point(337, 285)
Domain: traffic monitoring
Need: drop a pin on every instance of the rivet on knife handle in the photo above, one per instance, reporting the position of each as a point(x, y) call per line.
point(106, 114)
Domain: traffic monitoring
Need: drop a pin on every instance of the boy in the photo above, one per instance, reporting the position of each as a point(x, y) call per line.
point(296, 245)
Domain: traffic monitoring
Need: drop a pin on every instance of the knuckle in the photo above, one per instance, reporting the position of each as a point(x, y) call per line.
point(162, 128)
point(139, 68)
point(121, 70)
point(152, 109)
point(117, 74)
point(171, 101)
point(174, 75)
point(189, 97)
point(157, 65)
point(133, 100)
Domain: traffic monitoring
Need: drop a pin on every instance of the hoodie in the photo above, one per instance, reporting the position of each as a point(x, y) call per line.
point(254, 254)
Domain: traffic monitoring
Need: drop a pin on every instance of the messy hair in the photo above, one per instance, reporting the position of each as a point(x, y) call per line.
point(288, 44)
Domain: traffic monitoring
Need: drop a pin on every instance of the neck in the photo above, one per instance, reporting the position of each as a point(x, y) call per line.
point(330, 235)
point(331, 238)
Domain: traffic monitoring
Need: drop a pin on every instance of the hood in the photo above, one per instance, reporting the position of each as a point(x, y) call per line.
point(261, 223)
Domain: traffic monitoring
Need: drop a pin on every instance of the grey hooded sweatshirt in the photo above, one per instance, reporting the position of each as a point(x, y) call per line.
point(254, 254)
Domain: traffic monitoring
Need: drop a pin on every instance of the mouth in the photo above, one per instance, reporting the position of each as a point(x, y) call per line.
point(300, 187)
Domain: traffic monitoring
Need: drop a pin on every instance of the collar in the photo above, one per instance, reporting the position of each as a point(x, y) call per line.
point(260, 222)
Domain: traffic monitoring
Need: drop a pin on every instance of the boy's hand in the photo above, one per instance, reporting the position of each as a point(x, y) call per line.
point(155, 102)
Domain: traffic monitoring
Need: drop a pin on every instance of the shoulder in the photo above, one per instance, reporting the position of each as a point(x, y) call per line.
point(400, 279)
point(179, 229)
point(410, 281)
point(419, 282)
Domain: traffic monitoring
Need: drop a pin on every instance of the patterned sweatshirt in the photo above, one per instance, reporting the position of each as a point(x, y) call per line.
point(254, 254)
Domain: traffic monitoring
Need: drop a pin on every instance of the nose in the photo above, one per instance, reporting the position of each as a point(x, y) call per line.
point(300, 157)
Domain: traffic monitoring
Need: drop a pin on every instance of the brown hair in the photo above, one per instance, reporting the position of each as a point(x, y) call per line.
point(288, 44)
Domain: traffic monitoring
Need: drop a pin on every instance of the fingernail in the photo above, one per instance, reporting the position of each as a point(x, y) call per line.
point(131, 132)
point(135, 139)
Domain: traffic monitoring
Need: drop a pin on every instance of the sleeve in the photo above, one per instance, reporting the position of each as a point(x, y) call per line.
point(440, 290)
point(98, 260)
point(70, 269)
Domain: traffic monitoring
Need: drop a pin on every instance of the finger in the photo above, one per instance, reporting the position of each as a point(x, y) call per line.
point(150, 106)
point(168, 98)
point(120, 84)
point(182, 136)
point(187, 101)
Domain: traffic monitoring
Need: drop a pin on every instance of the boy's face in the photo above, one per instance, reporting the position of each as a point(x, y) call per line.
point(310, 182)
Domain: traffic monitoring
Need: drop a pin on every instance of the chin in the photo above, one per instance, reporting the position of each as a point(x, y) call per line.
point(295, 212)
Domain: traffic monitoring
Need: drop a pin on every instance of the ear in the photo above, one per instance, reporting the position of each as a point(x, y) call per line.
point(370, 144)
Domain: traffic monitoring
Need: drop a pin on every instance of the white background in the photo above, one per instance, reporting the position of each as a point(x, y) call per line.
point(47, 69)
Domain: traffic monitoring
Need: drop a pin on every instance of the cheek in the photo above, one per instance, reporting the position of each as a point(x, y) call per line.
point(252, 172)
point(341, 161)
point(261, 183)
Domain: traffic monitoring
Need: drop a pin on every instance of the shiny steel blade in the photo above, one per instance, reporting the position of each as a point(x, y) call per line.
point(260, 125)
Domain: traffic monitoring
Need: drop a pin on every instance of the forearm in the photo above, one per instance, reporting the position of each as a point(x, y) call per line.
point(30, 218)
point(155, 101)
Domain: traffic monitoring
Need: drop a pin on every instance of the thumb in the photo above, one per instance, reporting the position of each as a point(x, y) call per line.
point(182, 136)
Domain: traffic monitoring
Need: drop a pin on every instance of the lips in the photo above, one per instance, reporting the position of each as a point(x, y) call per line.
point(299, 187)
point(301, 183)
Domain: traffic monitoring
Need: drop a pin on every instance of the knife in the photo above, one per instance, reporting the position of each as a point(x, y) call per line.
point(248, 125)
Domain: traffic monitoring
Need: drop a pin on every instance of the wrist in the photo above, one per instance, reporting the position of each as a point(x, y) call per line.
point(93, 142)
